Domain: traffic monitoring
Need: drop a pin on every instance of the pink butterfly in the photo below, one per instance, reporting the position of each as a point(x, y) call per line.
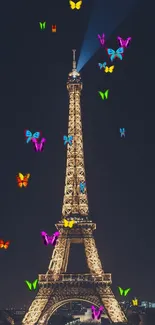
point(96, 314)
point(50, 239)
point(124, 43)
point(101, 38)
point(38, 146)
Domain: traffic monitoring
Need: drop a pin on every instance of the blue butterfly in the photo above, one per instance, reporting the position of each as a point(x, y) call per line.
point(122, 131)
point(82, 187)
point(30, 136)
point(116, 54)
point(102, 65)
point(68, 139)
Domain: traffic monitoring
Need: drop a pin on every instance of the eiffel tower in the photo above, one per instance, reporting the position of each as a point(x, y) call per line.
point(56, 287)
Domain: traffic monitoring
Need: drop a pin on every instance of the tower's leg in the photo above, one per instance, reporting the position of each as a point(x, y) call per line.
point(111, 305)
point(37, 307)
point(93, 260)
point(59, 256)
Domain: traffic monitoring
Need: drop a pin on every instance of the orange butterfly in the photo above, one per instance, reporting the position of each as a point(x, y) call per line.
point(4, 245)
point(22, 180)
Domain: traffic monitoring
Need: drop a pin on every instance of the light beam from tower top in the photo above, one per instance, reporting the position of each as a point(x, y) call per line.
point(74, 76)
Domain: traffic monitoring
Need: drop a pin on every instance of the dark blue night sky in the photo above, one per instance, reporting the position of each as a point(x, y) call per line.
point(120, 173)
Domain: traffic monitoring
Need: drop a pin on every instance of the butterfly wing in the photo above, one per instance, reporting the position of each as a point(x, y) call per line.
point(100, 65)
point(93, 312)
point(101, 94)
point(71, 223)
point(25, 180)
point(36, 135)
point(1, 243)
point(65, 139)
point(127, 41)
point(106, 69)
point(111, 69)
point(34, 284)
point(65, 223)
point(106, 93)
point(28, 135)
point(119, 53)
point(120, 291)
point(29, 284)
point(120, 40)
point(19, 182)
point(21, 176)
point(45, 237)
point(72, 4)
point(99, 312)
point(6, 245)
point(111, 53)
point(99, 37)
point(126, 291)
point(78, 5)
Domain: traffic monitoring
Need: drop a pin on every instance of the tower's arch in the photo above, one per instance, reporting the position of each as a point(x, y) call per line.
point(51, 310)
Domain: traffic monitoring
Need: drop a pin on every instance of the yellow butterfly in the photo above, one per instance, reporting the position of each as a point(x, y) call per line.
point(75, 5)
point(135, 302)
point(68, 223)
point(109, 69)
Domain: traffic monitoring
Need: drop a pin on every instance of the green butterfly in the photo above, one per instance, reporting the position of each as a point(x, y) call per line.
point(105, 94)
point(42, 25)
point(32, 285)
point(123, 292)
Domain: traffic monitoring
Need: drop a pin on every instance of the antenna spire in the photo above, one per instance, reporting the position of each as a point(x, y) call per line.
point(74, 62)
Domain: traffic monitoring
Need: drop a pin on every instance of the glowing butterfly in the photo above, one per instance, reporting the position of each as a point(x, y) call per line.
point(82, 187)
point(42, 25)
point(96, 314)
point(76, 5)
point(39, 146)
point(102, 65)
point(135, 302)
point(32, 285)
point(30, 136)
point(122, 132)
point(109, 69)
point(3, 244)
point(123, 292)
point(104, 95)
point(68, 139)
point(50, 239)
point(124, 43)
point(101, 39)
point(68, 223)
point(115, 54)
point(22, 180)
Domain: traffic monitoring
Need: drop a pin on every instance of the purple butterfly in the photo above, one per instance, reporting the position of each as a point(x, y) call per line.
point(38, 146)
point(96, 314)
point(124, 42)
point(101, 38)
point(50, 239)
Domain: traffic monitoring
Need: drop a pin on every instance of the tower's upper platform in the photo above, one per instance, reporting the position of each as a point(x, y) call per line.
point(74, 77)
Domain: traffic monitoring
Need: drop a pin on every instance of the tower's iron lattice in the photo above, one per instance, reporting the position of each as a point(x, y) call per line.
point(56, 287)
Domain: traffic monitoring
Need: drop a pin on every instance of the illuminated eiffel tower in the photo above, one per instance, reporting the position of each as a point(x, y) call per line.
point(56, 287)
